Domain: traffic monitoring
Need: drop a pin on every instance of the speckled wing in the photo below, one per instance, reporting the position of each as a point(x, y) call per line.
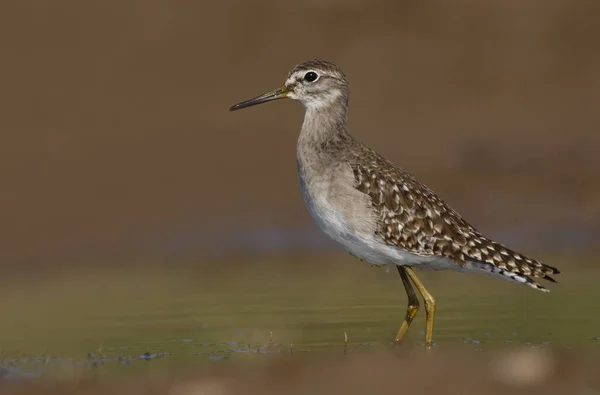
point(412, 217)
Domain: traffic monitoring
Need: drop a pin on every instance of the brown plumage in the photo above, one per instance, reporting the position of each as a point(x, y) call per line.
point(414, 218)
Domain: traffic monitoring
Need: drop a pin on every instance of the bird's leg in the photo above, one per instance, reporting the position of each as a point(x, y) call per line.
point(429, 307)
point(413, 304)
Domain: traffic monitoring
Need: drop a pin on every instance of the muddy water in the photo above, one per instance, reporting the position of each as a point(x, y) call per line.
point(119, 320)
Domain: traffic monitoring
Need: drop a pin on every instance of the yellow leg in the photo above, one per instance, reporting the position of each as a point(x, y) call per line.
point(429, 307)
point(413, 304)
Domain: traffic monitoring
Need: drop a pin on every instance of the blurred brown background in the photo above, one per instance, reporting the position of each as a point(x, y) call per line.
point(117, 143)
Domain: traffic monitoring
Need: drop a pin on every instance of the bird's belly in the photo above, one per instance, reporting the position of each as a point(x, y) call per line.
point(333, 223)
point(347, 227)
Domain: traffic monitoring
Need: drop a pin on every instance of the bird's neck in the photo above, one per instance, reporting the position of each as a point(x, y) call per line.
point(324, 127)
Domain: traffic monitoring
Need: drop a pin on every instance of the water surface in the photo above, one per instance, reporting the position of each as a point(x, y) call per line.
point(151, 318)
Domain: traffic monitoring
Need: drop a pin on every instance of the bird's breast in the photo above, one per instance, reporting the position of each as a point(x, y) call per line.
point(341, 211)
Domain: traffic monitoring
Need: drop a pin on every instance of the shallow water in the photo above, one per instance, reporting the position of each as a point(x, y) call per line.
point(119, 320)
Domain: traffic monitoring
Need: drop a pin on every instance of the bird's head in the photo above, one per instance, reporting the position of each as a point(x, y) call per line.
point(316, 83)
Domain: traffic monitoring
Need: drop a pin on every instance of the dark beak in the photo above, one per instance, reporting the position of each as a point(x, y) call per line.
point(280, 93)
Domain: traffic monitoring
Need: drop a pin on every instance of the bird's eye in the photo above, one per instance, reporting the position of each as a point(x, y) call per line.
point(311, 76)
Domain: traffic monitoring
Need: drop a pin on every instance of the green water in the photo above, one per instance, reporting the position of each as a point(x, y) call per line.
point(182, 316)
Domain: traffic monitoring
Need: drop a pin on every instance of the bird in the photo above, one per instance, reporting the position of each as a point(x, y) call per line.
point(377, 211)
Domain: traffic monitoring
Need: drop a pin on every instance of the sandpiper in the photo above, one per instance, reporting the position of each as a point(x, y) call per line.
point(377, 211)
